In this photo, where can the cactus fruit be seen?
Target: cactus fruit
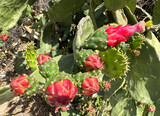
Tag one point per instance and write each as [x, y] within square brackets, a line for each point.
[115, 63]
[90, 86]
[121, 33]
[47, 66]
[31, 56]
[4, 37]
[80, 76]
[19, 84]
[24, 85]
[151, 109]
[43, 58]
[93, 63]
[97, 40]
[81, 58]
[60, 93]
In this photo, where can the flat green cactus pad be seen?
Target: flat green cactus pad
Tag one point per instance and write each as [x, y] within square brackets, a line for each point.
[115, 63]
[10, 12]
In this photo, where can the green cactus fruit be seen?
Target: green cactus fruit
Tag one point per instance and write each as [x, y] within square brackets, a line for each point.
[136, 41]
[31, 57]
[33, 87]
[81, 58]
[115, 63]
[97, 40]
[49, 69]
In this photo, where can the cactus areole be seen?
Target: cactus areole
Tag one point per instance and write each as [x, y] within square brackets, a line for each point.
[19, 84]
[60, 93]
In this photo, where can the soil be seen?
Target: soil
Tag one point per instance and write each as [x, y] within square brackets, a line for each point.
[12, 51]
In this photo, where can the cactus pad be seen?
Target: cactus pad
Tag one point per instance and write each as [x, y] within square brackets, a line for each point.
[115, 63]
[97, 40]
[31, 57]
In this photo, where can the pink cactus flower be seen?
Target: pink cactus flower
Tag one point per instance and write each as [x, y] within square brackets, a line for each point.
[93, 63]
[4, 37]
[90, 86]
[121, 33]
[60, 93]
[43, 58]
[19, 85]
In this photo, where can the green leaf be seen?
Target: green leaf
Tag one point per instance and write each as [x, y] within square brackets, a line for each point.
[62, 9]
[113, 5]
[156, 13]
[10, 12]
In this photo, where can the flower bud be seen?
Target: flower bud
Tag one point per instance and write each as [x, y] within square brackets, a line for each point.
[19, 84]
[90, 86]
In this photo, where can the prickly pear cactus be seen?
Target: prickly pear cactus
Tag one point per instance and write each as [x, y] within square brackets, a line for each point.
[97, 40]
[81, 58]
[49, 69]
[115, 63]
[31, 56]
[57, 77]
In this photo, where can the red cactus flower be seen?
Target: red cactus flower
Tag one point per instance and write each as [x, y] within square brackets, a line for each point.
[60, 93]
[151, 109]
[93, 62]
[19, 84]
[121, 33]
[90, 86]
[4, 37]
[107, 85]
[43, 58]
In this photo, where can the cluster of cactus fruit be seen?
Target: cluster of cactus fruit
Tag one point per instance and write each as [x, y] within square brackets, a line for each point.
[107, 51]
